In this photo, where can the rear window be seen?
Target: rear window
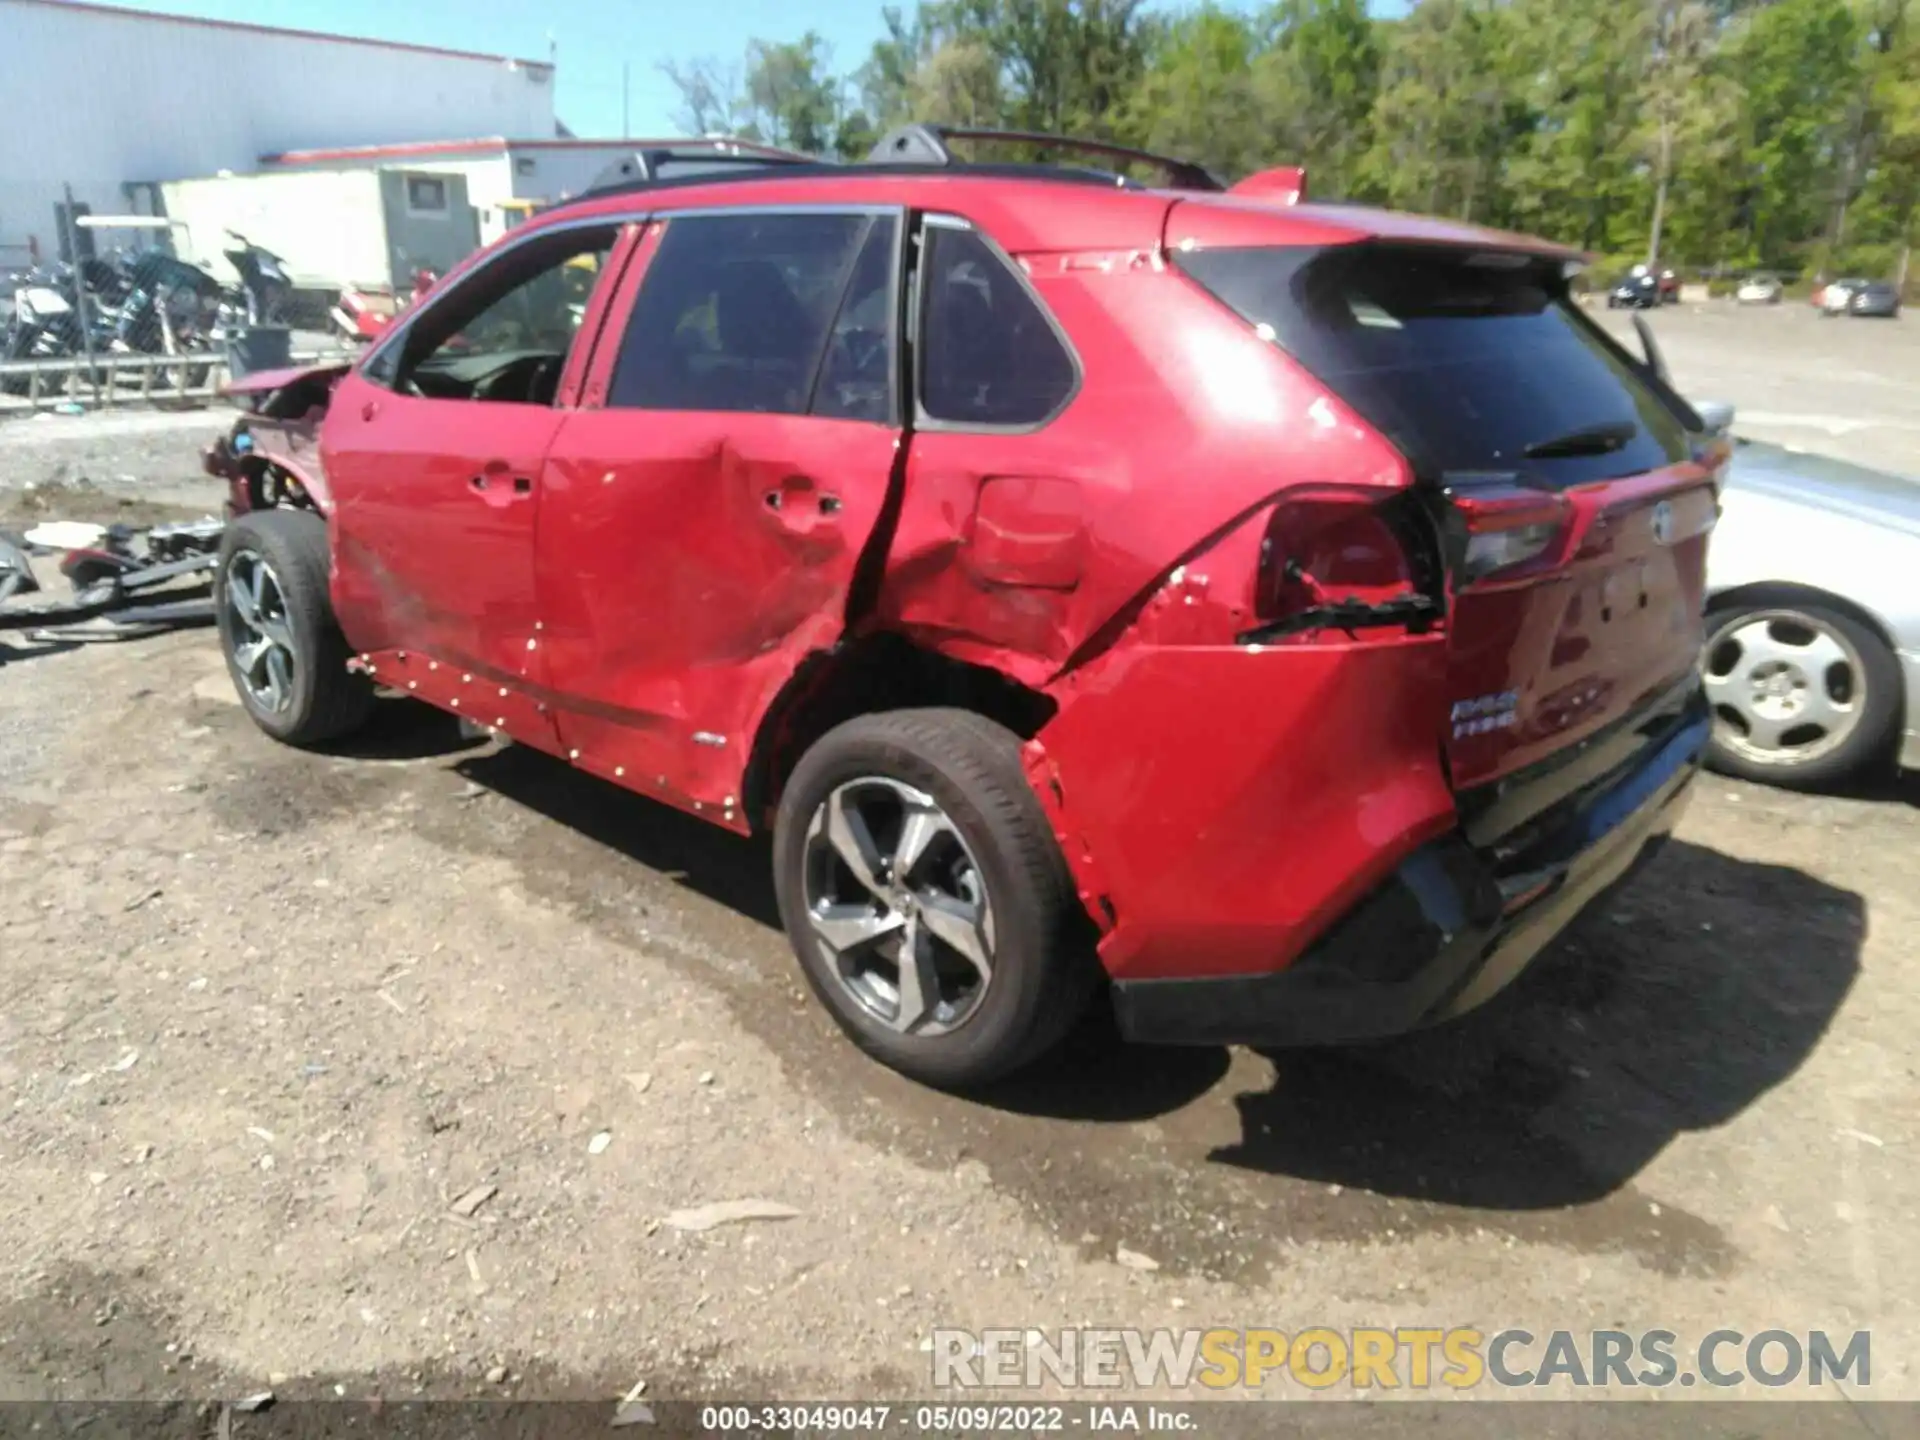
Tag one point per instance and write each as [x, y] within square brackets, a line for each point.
[1464, 360]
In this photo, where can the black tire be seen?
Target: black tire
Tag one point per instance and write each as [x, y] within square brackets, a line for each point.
[1043, 968]
[1870, 743]
[327, 700]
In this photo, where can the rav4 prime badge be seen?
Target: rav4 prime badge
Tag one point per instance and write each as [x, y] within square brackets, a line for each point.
[1481, 713]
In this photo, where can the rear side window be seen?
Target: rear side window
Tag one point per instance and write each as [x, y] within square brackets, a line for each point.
[736, 311]
[989, 356]
[1466, 361]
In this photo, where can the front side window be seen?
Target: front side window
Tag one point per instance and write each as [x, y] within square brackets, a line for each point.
[739, 313]
[503, 333]
[988, 354]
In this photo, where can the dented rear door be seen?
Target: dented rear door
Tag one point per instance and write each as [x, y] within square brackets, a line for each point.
[704, 510]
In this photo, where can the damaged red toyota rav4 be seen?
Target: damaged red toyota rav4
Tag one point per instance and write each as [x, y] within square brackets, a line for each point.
[1275, 619]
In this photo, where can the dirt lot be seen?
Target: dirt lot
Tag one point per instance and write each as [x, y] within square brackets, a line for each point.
[268, 1015]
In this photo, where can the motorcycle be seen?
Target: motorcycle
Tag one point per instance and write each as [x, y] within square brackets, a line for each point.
[171, 308]
[46, 322]
[265, 286]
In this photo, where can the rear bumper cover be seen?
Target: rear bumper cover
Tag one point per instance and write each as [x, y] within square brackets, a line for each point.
[1454, 922]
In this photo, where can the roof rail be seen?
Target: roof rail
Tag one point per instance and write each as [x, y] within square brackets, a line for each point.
[927, 145]
[651, 160]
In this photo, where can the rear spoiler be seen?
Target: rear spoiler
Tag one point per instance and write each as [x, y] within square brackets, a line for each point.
[1283, 184]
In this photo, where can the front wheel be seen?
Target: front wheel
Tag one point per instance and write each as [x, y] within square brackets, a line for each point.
[926, 898]
[1803, 695]
[283, 648]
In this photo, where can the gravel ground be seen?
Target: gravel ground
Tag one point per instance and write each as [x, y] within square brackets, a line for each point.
[272, 1020]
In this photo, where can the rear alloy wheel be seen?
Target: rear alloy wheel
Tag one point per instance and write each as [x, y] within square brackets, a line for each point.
[926, 898]
[1802, 695]
[910, 925]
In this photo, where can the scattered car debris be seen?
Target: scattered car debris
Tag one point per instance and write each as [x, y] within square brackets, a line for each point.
[252, 1403]
[598, 1144]
[641, 1081]
[469, 1204]
[1134, 1260]
[124, 583]
[729, 1212]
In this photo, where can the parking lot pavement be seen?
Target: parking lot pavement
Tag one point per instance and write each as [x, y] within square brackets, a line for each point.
[271, 1021]
[1837, 385]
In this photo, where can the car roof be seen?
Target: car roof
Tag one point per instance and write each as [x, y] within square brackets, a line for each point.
[1034, 209]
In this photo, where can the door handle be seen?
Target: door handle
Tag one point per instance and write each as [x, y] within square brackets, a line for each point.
[790, 495]
[497, 485]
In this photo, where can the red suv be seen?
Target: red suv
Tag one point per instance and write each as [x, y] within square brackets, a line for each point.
[1279, 616]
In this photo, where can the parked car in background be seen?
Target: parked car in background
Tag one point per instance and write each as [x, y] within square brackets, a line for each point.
[1834, 297]
[810, 520]
[1639, 289]
[1669, 287]
[1761, 289]
[1879, 298]
[1812, 660]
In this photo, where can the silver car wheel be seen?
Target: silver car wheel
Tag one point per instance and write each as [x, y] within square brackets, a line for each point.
[899, 906]
[263, 646]
[1785, 688]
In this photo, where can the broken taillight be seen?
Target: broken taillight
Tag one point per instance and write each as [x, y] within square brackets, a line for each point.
[1505, 532]
[1340, 558]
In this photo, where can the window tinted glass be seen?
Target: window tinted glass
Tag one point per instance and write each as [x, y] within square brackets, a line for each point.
[735, 311]
[856, 378]
[989, 357]
[1463, 365]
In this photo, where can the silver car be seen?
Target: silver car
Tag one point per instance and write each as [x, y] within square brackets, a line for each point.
[1813, 618]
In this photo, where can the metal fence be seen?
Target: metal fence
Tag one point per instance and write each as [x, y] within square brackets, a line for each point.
[119, 319]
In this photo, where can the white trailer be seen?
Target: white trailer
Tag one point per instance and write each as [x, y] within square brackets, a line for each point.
[332, 229]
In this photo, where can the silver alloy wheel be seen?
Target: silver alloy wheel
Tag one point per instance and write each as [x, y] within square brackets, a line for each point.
[263, 648]
[1785, 688]
[899, 906]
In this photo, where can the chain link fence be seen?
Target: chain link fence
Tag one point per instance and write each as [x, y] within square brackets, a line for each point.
[117, 317]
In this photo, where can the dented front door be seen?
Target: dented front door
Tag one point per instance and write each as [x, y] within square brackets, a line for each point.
[689, 559]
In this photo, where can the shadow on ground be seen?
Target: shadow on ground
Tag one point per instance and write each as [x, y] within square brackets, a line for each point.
[1698, 989]
[1671, 1007]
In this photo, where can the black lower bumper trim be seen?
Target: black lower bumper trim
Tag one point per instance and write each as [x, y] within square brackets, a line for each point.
[1447, 931]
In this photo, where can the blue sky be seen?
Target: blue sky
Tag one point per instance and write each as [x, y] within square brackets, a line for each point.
[593, 38]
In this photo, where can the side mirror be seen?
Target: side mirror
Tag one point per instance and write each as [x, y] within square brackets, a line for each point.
[1716, 416]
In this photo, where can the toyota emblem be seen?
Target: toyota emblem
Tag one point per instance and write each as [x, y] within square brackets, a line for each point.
[1663, 523]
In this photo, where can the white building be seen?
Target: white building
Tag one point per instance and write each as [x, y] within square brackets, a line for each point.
[109, 101]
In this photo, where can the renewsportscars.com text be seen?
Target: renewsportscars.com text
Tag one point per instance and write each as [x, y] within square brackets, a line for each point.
[1461, 1358]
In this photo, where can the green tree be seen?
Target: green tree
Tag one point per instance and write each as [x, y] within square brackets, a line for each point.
[1316, 80]
[1445, 111]
[794, 95]
[1795, 65]
[1197, 97]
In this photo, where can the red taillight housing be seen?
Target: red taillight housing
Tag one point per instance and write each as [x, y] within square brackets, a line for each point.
[1328, 545]
[1324, 562]
[1506, 533]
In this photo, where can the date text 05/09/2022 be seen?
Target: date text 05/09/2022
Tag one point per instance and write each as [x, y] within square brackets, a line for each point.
[942, 1419]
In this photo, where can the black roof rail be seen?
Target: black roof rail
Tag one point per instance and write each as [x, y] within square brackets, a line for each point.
[711, 155]
[928, 145]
